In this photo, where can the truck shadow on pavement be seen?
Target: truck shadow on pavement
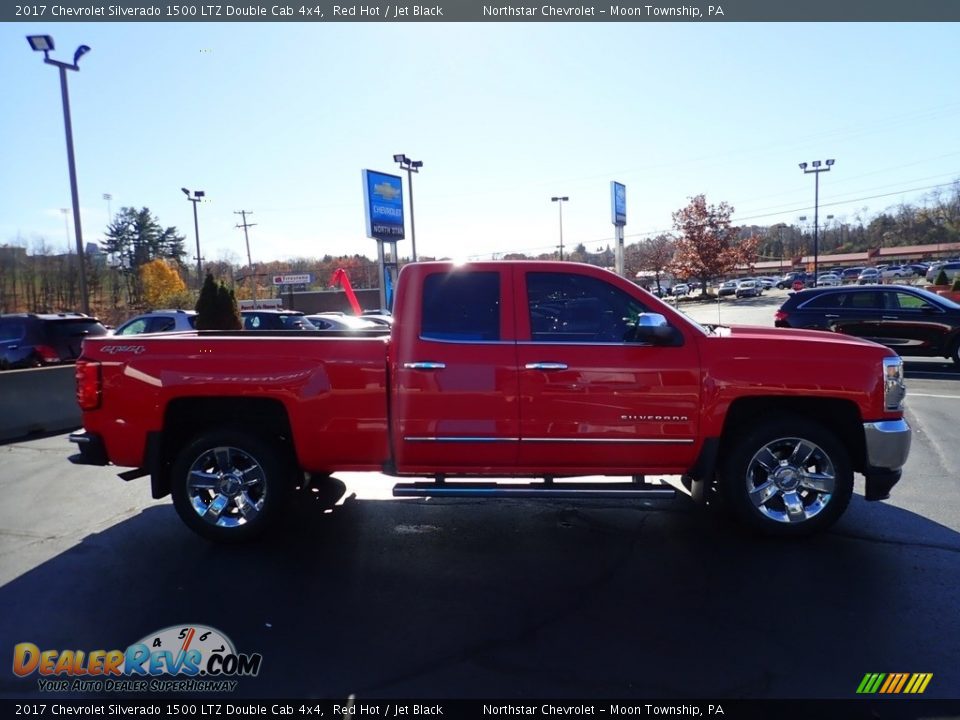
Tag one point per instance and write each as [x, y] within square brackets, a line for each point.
[516, 599]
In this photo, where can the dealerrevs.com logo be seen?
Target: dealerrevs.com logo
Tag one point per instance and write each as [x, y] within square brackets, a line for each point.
[180, 658]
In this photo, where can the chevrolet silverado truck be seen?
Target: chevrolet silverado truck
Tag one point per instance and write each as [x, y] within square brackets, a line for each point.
[539, 371]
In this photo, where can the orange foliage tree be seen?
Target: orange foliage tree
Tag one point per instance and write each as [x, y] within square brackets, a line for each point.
[708, 246]
[162, 284]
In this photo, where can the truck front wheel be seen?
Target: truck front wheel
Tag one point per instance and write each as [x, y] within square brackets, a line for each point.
[788, 477]
[229, 485]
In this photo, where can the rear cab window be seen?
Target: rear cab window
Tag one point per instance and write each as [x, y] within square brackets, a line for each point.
[461, 307]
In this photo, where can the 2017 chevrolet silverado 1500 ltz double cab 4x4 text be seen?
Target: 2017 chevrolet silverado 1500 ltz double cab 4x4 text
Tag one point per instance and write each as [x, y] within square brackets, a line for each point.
[541, 370]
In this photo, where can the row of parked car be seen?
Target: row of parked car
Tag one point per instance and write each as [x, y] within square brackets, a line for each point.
[38, 339]
[746, 287]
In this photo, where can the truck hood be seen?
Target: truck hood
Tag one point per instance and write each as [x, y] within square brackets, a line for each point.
[789, 335]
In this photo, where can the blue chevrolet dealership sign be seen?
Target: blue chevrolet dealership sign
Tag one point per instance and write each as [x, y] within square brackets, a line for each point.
[618, 203]
[383, 202]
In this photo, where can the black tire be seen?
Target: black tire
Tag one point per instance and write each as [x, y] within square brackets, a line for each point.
[788, 477]
[230, 485]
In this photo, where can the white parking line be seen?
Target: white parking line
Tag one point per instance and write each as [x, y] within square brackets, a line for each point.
[949, 397]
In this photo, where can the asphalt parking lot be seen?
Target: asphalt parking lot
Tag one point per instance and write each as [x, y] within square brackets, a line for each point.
[379, 598]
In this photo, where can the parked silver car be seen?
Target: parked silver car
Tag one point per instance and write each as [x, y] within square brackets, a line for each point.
[339, 321]
[868, 276]
[159, 321]
[952, 269]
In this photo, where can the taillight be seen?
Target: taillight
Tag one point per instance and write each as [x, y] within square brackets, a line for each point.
[88, 384]
[47, 353]
[780, 316]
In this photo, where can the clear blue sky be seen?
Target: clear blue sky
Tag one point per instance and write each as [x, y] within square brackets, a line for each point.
[280, 119]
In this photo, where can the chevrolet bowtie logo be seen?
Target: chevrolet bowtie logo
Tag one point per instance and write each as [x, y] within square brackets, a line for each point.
[386, 191]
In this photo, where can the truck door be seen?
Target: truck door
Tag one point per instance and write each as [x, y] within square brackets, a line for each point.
[593, 400]
[454, 394]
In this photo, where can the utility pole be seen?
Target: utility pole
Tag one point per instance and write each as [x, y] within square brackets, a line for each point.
[253, 278]
[560, 201]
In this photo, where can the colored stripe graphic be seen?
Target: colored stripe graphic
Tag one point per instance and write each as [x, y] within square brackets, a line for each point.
[918, 683]
[870, 683]
[894, 683]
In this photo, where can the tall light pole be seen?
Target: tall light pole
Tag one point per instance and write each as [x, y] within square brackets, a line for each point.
[197, 196]
[816, 169]
[560, 201]
[108, 197]
[411, 166]
[44, 44]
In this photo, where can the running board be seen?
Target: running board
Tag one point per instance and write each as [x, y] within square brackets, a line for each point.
[534, 490]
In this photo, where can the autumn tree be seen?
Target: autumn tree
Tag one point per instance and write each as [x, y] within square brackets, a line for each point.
[708, 245]
[656, 256]
[162, 285]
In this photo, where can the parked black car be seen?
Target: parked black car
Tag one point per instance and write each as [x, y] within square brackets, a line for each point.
[787, 281]
[34, 340]
[907, 319]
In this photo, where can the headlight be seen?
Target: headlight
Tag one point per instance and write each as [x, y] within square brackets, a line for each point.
[894, 390]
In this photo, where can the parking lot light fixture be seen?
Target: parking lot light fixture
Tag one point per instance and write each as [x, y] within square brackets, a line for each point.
[44, 44]
[816, 169]
[197, 197]
[411, 166]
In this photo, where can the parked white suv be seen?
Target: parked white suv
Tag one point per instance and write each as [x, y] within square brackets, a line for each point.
[159, 321]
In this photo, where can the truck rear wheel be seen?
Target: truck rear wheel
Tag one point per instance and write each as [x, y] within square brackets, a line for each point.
[229, 485]
[788, 477]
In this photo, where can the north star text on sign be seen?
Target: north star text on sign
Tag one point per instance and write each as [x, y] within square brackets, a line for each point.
[543, 10]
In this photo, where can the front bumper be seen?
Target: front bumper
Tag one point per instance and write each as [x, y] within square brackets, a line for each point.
[888, 445]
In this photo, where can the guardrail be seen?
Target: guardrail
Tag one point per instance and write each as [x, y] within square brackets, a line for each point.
[40, 400]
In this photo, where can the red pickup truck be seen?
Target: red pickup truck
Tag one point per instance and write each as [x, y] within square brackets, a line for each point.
[538, 370]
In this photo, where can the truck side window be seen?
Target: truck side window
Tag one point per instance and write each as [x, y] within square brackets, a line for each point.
[576, 308]
[461, 306]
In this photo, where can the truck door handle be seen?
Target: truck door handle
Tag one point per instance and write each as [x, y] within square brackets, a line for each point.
[889, 317]
[832, 317]
[424, 365]
[545, 366]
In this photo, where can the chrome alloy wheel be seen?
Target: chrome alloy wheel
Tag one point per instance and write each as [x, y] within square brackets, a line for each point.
[791, 480]
[226, 487]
